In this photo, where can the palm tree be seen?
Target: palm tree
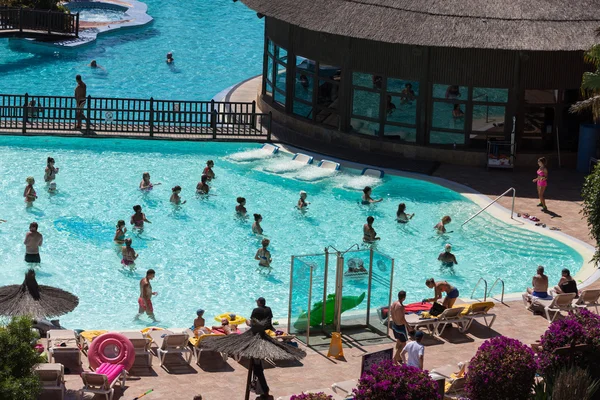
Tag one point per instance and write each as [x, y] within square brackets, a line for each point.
[590, 84]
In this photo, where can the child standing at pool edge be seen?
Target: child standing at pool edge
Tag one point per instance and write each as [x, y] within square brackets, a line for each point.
[542, 182]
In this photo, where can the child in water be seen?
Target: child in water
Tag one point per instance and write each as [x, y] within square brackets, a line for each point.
[138, 219]
[366, 197]
[202, 187]
[440, 227]
[50, 172]
[302, 203]
[256, 228]
[29, 192]
[175, 198]
[145, 184]
[129, 255]
[401, 215]
[369, 234]
[263, 255]
[120, 232]
[240, 208]
[208, 170]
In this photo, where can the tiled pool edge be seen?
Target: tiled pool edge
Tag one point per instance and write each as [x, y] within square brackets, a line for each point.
[588, 273]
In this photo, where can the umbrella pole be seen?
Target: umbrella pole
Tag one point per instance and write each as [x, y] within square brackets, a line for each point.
[250, 369]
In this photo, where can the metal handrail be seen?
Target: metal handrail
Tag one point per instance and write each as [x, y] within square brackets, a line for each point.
[492, 288]
[512, 211]
[477, 285]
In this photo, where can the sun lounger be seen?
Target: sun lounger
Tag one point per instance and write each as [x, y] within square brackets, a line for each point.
[416, 322]
[376, 173]
[561, 302]
[86, 337]
[455, 377]
[329, 165]
[587, 299]
[451, 316]
[168, 342]
[103, 380]
[196, 341]
[302, 158]
[270, 148]
[478, 310]
[52, 378]
[62, 341]
[344, 388]
[141, 344]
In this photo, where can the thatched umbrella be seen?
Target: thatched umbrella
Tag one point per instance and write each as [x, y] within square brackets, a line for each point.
[253, 344]
[37, 301]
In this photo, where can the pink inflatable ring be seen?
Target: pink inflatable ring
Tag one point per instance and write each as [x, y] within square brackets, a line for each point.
[112, 348]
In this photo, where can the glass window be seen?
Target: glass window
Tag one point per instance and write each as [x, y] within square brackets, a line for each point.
[409, 89]
[400, 132]
[282, 54]
[366, 103]
[488, 95]
[538, 122]
[280, 97]
[328, 93]
[399, 109]
[302, 109]
[280, 78]
[365, 127]
[488, 118]
[305, 65]
[269, 69]
[270, 47]
[541, 96]
[438, 137]
[269, 89]
[304, 86]
[367, 80]
[329, 117]
[450, 92]
[448, 115]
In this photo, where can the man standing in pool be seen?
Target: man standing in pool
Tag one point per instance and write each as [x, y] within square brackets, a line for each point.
[33, 241]
[80, 99]
[146, 293]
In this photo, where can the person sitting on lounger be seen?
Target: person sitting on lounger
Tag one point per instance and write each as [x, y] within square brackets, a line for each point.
[199, 328]
[566, 284]
[446, 257]
[443, 286]
[225, 327]
[540, 284]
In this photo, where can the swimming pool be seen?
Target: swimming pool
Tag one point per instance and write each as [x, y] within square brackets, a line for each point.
[203, 255]
[215, 44]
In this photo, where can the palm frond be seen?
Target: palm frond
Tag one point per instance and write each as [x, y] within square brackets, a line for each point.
[584, 105]
[591, 81]
[593, 55]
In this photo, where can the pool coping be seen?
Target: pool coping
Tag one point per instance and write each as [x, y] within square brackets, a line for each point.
[587, 274]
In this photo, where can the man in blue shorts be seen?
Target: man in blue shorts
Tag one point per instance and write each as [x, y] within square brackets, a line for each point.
[399, 325]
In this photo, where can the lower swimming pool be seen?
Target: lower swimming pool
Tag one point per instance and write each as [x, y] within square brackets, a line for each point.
[204, 256]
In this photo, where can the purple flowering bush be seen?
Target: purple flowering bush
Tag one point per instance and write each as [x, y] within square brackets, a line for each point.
[388, 381]
[311, 396]
[502, 369]
[581, 328]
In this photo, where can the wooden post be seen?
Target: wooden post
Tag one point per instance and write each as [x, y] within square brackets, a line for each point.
[269, 127]
[253, 117]
[77, 25]
[151, 118]
[213, 119]
[249, 380]
[89, 114]
[21, 19]
[25, 105]
[49, 22]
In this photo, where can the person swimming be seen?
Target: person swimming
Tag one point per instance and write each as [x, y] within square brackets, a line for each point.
[366, 197]
[208, 170]
[175, 198]
[94, 64]
[50, 171]
[145, 184]
[256, 228]
[441, 226]
[446, 257]
[401, 216]
[302, 203]
[202, 187]
[263, 255]
[240, 208]
[120, 232]
[369, 234]
[138, 219]
[129, 254]
[29, 192]
[170, 59]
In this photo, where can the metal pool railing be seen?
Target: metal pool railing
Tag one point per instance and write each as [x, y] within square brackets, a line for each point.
[195, 120]
[18, 20]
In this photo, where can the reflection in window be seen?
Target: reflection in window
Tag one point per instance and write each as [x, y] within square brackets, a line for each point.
[367, 80]
[280, 78]
[488, 118]
[398, 109]
[365, 127]
[271, 47]
[282, 54]
[400, 132]
[302, 109]
[450, 92]
[366, 103]
[328, 93]
[539, 122]
[304, 87]
[488, 95]
[448, 115]
[269, 89]
[270, 69]
[541, 96]
[438, 137]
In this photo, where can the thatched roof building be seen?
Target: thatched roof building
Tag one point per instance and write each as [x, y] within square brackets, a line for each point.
[418, 77]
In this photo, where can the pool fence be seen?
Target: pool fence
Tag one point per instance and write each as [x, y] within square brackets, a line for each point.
[27, 22]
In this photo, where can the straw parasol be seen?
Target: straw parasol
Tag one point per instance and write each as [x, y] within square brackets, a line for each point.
[37, 301]
[254, 344]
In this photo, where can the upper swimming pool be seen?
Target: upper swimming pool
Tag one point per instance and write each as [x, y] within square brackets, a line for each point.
[215, 44]
[204, 256]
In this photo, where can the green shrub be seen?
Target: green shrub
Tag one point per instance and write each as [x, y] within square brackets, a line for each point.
[591, 206]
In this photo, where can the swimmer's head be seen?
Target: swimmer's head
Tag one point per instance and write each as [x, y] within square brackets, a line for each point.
[265, 242]
[241, 200]
[303, 194]
[210, 163]
[367, 190]
[448, 248]
[93, 64]
[50, 160]
[128, 242]
[430, 283]
[137, 208]
[33, 227]
[146, 176]
[401, 207]
[370, 220]
[200, 312]
[446, 219]
[120, 223]
[257, 217]
[176, 189]
[30, 180]
[169, 56]
[78, 78]
[540, 270]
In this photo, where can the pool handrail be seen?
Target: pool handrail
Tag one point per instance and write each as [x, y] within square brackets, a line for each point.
[485, 291]
[374, 172]
[327, 164]
[303, 158]
[512, 211]
[492, 288]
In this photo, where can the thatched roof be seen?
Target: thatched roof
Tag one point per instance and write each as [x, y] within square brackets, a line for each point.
[509, 24]
[253, 344]
[37, 301]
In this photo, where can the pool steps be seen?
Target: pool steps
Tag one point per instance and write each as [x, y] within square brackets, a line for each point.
[303, 158]
[326, 164]
[270, 148]
[376, 173]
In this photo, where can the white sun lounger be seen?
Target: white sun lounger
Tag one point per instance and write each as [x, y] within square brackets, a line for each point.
[141, 344]
[344, 388]
[168, 342]
[587, 299]
[62, 341]
[452, 316]
[560, 302]
[376, 173]
[303, 158]
[52, 378]
[270, 148]
[326, 164]
[416, 322]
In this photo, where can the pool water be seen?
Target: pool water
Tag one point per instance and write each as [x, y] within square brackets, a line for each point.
[204, 255]
[215, 44]
[99, 14]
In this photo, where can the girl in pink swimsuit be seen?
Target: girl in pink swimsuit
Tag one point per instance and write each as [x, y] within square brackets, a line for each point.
[542, 182]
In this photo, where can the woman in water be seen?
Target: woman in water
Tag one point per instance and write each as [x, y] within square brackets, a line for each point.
[175, 198]
[366, 197]
[369, 234]
[542, 182]
[120, 232]
[441, 226]
[50, 172]
[29, 192]
[256, 228]
[129, 255]
[208, 170]
[138, 219]
[240, 208]
[401, 215]
[145, 184]
[202, 187]
[302, 203]
[263, 255]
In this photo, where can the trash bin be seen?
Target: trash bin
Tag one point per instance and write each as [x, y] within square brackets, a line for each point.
[588, 142]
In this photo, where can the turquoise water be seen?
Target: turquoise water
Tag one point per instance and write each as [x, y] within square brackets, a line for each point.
[215, 44]
[98, 14]
[204, 256]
